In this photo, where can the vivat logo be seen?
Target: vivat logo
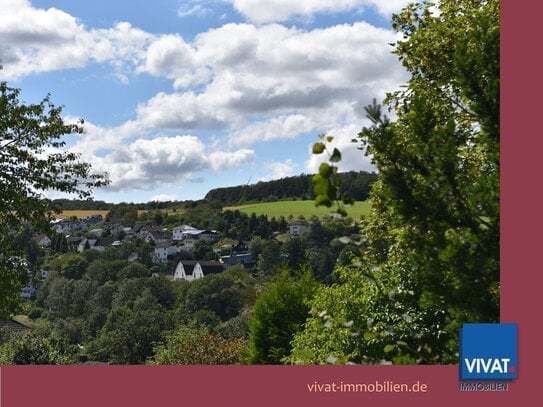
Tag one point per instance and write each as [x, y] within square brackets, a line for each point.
[488, 352]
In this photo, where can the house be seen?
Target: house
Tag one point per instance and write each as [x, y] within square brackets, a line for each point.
[116, 228]
[209, 236]
[298, 227]
[157, 236]
[162, 251]
[28, 292]
[91, 220]
[241, 247]
[13, 326]
[246, 259]
[98, 232]
[74, 242]
[177, 233]
[42, 240]
[44, 274]
[86, 244]
[193, 269]
[103, 242]
[143, 230]
[66, 226]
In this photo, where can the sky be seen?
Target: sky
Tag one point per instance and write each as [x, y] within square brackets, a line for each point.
[180, 97]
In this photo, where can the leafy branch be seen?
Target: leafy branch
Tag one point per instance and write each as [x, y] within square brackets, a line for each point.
[326, 183]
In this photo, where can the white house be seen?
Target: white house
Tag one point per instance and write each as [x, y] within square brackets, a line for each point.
[177, 233]
[191, 270]
[162, 251]
[297, 227]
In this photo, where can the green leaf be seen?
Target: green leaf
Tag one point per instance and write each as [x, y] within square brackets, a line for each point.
[325, 170]
[389, 348]
[323, 200]
[318, 148]
[336, 156]
[329, 139]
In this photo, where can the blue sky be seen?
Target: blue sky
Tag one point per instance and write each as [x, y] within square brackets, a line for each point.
[180, 97]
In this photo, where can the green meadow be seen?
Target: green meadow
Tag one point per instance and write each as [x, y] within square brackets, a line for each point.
[297, 208]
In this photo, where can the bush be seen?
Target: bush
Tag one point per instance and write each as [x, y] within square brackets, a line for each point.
[277, 315]
[189, 345]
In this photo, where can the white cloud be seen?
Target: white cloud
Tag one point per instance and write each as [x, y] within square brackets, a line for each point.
[146, 164]
[313, 120]
[38, 40]
[352, 159]
[171, 57]
[192, 9]
[181, 111]
[277, 170]
[163, 198]
[266, 11]
[274, 71]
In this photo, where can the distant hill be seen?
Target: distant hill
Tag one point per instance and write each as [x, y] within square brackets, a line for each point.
[357, 184]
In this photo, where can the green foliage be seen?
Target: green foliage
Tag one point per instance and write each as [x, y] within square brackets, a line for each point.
[430, 260]
[189, 345]
[128, 336]
[203, 250]
[69, 265]
[26, 131]
[278, 314]
[34, 348]
[269, 258]
[327, 183]
[225, 294]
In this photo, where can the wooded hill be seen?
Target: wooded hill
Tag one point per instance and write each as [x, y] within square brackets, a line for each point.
[357, 184]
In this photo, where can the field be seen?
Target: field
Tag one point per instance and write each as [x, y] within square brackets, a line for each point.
[165, 211]
[81, 214]
[297, 208]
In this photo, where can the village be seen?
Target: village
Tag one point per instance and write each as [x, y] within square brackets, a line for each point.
[170, 247]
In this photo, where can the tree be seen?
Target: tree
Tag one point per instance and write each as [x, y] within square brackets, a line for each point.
[27, 170]
[278, 314]
[224, 293]
[432, 256]
[127, 336]
[269, 259]
[189, 345]
[202, 250]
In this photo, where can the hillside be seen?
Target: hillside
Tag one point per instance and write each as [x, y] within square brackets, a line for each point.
[298, 208]
[357, 184]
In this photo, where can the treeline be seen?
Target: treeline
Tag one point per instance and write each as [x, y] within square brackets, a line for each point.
[92, 205]
[357, 184]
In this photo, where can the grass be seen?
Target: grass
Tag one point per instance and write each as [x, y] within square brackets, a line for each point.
[165, 211]
[297, 208]
[81, 214]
